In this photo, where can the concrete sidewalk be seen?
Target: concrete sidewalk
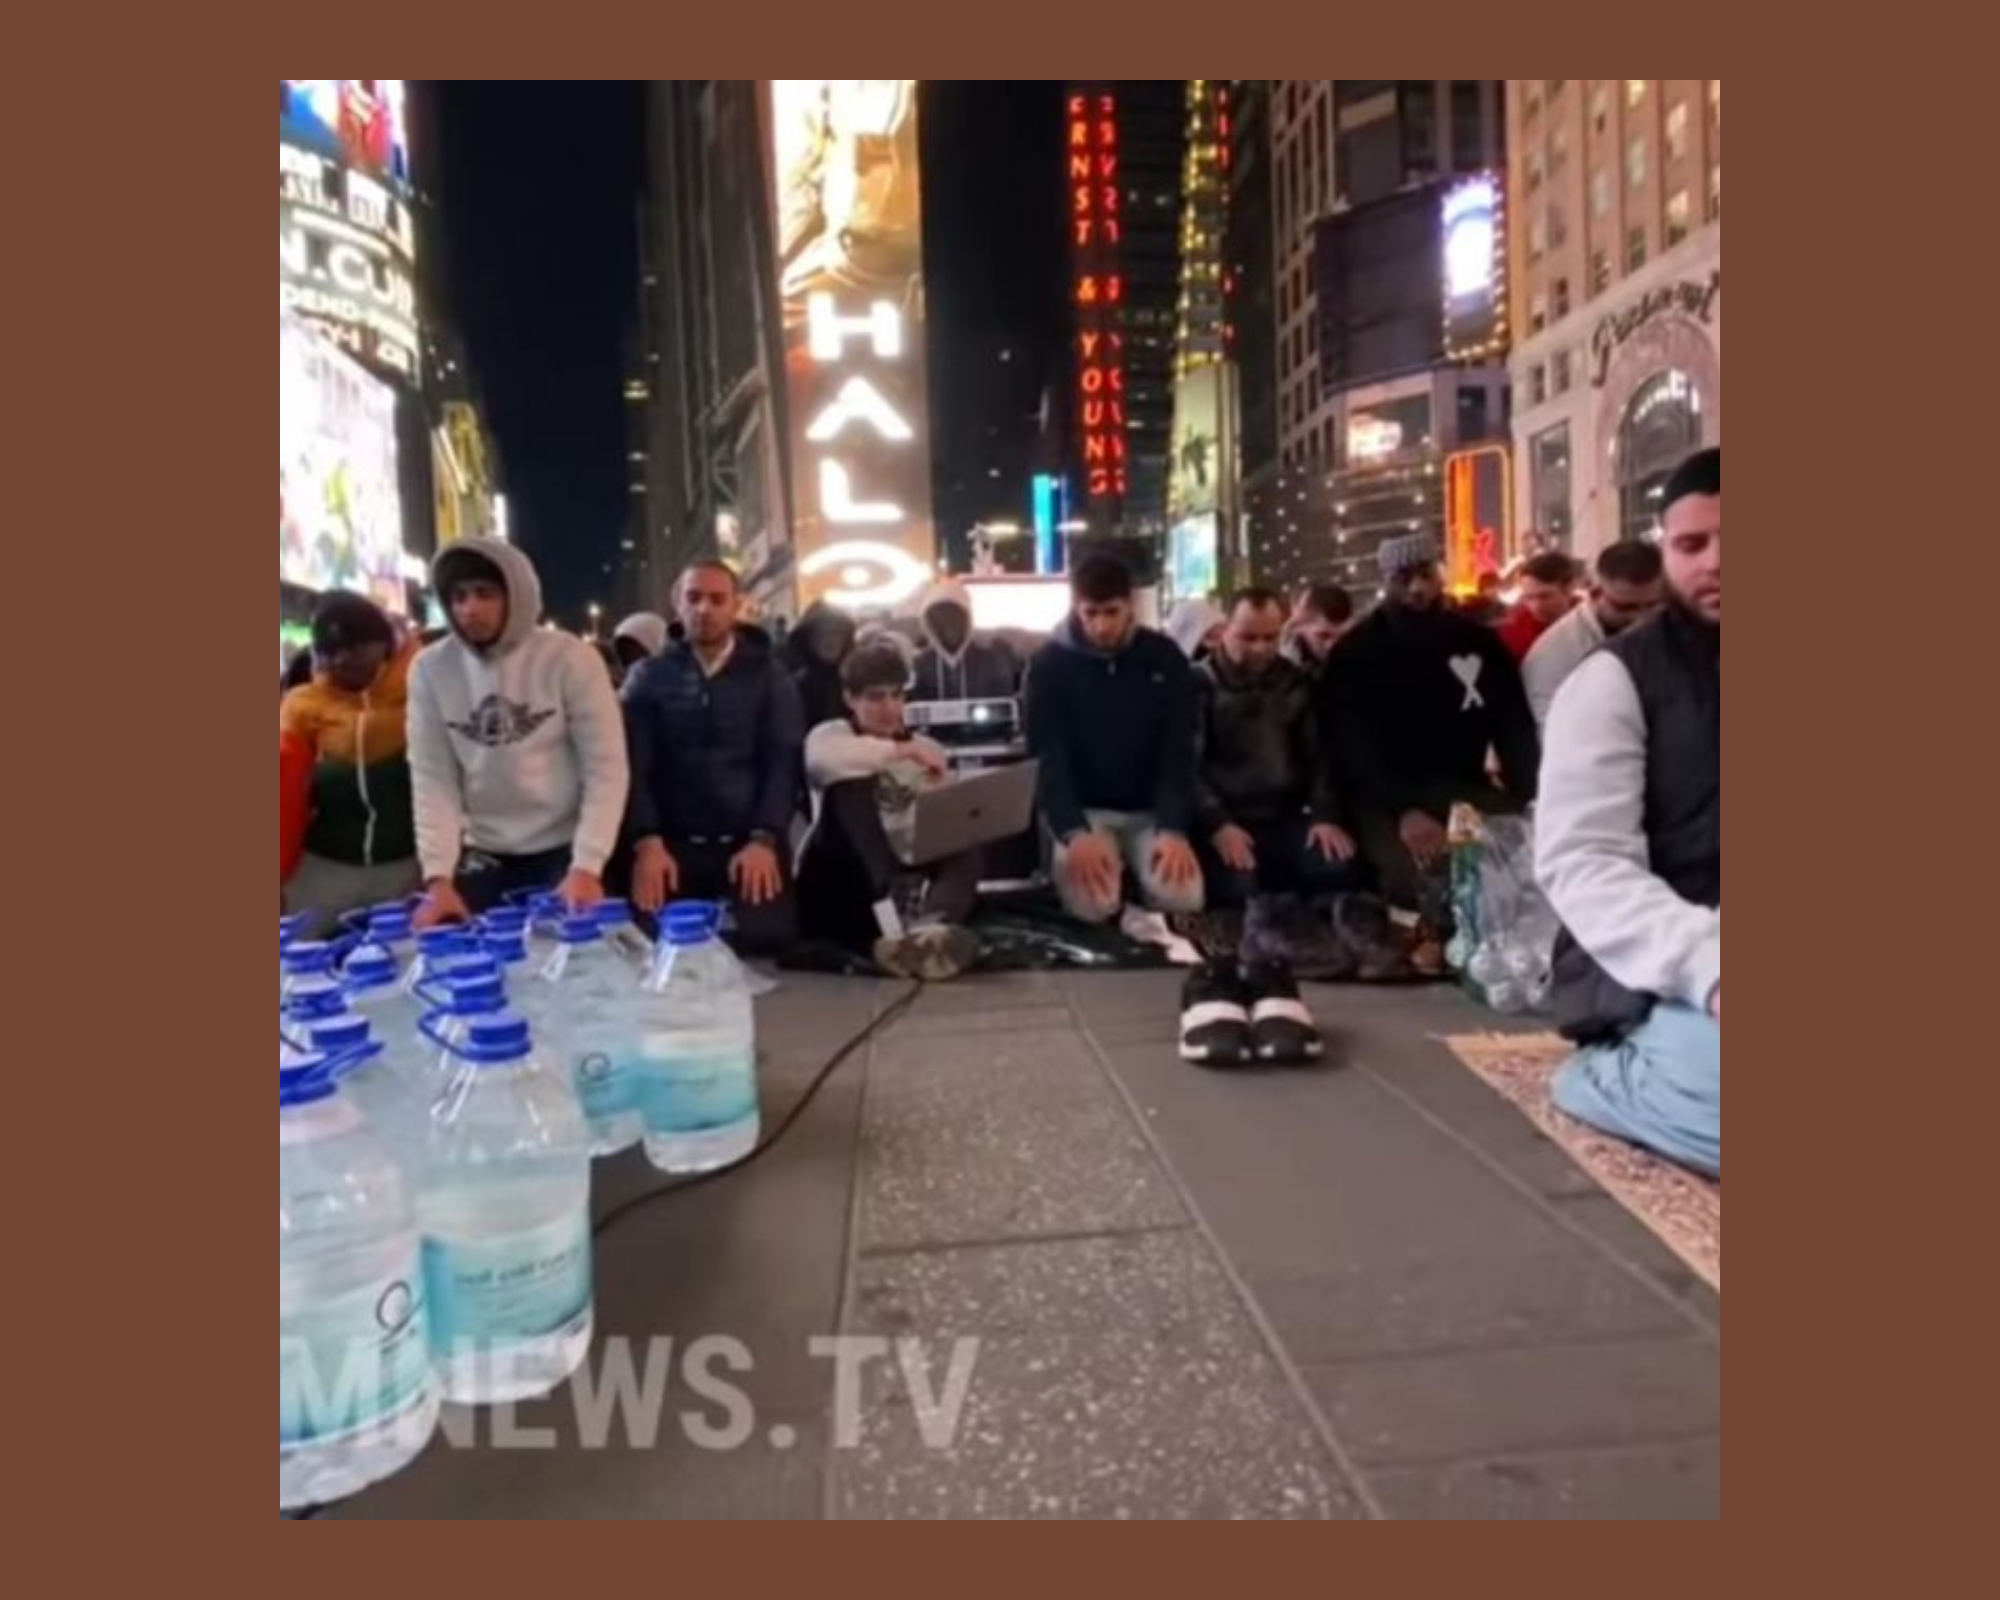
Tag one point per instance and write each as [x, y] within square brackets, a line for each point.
[1369, 1289]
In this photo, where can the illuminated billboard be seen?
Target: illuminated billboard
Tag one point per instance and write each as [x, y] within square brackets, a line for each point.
[1194, 558]
[359, 122]
[1097, 292]
[340, 514]
[847, 186]
[346, 259]
[1479, 516]
[1475, 270]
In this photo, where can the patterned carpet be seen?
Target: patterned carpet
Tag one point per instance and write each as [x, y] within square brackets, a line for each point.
[1684, 1210]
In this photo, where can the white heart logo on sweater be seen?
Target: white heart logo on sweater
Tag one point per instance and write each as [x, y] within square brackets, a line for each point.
[1467, 670]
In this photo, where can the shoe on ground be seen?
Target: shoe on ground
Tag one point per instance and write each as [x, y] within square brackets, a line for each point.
[1215, 1017]
[1281, 1025]
[1369, 935]
[929, 955]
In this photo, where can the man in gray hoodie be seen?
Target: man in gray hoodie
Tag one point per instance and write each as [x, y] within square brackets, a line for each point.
[517, 745]
[957, 663]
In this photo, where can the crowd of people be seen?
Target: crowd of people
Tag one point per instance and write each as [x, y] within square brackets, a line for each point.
[1269, 747]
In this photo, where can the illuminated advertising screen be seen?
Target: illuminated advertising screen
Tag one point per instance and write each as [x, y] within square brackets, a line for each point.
[1479, 516]
[850, 254]
[346, 259]
[359, 122]
[1474, 270]
[340, 514]
[1194, 564]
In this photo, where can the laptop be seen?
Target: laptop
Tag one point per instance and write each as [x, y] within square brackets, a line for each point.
[981, 808]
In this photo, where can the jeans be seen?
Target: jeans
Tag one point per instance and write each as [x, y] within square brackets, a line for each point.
[850, 867]
[486, 881]
[771, 929]
[329, 889]
[1660, 1087]
[1287, 863]
[1135, 834]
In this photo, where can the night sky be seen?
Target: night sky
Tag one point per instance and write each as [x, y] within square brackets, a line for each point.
[538, 183]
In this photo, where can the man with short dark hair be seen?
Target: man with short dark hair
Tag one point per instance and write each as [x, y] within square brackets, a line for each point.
[857, 885]
[957, 662]
[716, 730]
[1269, 816]
[1548, 591]
[1629, 849]
[1629, 588]
[1323, 616]
[1111, 719]
[516, 744]
[1414, 700]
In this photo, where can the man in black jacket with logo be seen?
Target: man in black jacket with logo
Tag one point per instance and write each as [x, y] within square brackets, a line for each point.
[716, 730]
[1414, 699]
[1269, 815]
[1111, 719]
[1629, 849]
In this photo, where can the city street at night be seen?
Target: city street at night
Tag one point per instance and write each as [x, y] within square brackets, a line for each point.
[1000, 800]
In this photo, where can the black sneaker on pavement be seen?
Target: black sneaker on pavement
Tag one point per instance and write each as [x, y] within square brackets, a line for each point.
[1215, 1017]
[1281, 1026]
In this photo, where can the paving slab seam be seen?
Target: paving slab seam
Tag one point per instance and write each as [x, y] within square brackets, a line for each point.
[1633, 1445]
[849, 1266]
[1503, 1346]
[1015, 1241]
[1344, 1461]
[1550, 1209]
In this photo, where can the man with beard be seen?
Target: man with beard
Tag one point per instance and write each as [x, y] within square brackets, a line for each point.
[1629, 850]
[1414, 700]
[1629, 588]
[958, 663]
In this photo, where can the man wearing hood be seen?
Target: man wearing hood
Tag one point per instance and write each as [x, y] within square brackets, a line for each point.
[1111, 708]
[813, 654]
[637, 640]
[957, 663]
[516, 744]
[359, 846]
[1414, 700]
[1196, 626]
[717, 734]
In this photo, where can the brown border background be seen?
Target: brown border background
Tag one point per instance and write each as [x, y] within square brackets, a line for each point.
[133, 406]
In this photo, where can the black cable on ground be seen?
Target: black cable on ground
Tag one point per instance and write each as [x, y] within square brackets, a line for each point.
[887, 1015]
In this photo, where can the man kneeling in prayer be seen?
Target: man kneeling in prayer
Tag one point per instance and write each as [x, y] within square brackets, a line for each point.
[1629, 844]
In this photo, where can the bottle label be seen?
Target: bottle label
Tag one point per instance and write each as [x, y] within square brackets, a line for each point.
[692, 1093]
[354, 1362]
[605, 1084]
[509, 1290]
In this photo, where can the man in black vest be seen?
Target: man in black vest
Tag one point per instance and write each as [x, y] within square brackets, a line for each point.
[1630, 852]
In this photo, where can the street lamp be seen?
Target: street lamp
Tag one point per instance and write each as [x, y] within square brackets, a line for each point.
[596, 618]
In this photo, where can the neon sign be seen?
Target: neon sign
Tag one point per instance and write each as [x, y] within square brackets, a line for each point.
[1097, 232]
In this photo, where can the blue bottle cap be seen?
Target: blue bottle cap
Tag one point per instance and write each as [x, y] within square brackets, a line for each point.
[314, 998]
[501, 918]
[499, 1039]
[434, 942]
[508, 946]
[476, 994]
[304, 958]
[692, 922]
[340, 1033]
[613, 913]
[304, 1077]
[369, 968]
[390, 924]
[581, 930]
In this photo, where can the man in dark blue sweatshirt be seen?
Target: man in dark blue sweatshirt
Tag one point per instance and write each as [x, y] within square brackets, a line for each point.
[1111, 715]
[716, 730]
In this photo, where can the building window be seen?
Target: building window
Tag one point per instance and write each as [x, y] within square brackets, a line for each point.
[1534, 96]
[1635, 91]
[1537, 170]
[1600, 271]
[1538, 238]
[1662, 428]
[1677, 131]
[1600, 108]
[1562, 372]
[1556, 86]
[1559, 148]
[1549, 464]
[1538, 384]
[1635, 249]
[1468, 127]
[1715, 192]
[1680, 217]
[1600, 194]
[1558, 230]
[1538, 313]
[1635, 161]
[1715, 101]
[1562, 298]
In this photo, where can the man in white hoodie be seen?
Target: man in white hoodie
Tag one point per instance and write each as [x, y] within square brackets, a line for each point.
[517, 745]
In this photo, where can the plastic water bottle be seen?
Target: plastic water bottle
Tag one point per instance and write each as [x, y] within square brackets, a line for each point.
[356, 1398]
[590, 1002]
[386, 927]
[505, 1210]
[391, 1088]
[437, 949]
[697, 1049]
[288, 930]
[458, 1002]
[508, 946]
[622, 933]
[374, 989]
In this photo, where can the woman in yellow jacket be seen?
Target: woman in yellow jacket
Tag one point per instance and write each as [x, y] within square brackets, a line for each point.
[360, 843]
